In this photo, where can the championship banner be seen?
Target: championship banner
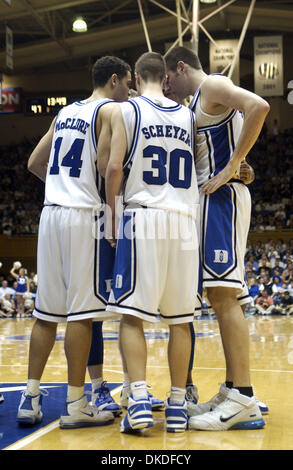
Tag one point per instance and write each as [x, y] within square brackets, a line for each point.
[9, 48]
[268, 66]
[222, 55]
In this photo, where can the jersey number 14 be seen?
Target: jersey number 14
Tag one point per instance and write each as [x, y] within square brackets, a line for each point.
[72, 159]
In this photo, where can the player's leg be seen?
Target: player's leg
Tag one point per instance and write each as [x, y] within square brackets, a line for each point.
[20, 304]
[191, 389]
[157, 403]
[102, 398]
[133, 345]
[49, 310]
[77, 411]
[238, 409]
[83, 304]
[77, 346]
[234, 332]
[41, 343]
[177, 306]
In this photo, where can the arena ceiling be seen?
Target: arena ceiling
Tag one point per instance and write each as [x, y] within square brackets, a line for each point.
[43, 36]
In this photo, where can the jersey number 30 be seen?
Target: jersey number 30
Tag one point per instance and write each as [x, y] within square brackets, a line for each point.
[180, 167]
[72, 159]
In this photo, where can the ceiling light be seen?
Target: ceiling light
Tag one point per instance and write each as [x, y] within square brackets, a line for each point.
[79, 25]
[208, 1]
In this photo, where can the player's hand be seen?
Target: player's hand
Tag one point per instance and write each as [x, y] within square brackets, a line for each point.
[219, 180]
[246, 173]
[110, 232]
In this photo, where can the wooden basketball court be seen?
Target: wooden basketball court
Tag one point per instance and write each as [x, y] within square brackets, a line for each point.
[271, 371]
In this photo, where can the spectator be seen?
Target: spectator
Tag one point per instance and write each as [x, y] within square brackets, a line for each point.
[5, 289]
[264, 303]
[264, 262]
[277, 289]
[254, 291]
[7, 306]
[266, 285]
[29, 304]
[287, 303]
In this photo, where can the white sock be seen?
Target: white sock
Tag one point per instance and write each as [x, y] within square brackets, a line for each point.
[74, 393]
[126, 381]
[96, 383]
[139, 389]
[33, 387]
[177, 395]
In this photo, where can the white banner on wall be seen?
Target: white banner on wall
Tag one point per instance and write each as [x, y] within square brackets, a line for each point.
[268, 66]
[223, 54]
[9, 48]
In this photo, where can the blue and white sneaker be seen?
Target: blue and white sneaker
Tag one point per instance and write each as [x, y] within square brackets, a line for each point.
[1, 398]
[139, 415]
[156, 403]
[191, 397]
[80, 414]
[264, 409]
[103, 400]
[176, 416]
[29, 410]
[237, 411]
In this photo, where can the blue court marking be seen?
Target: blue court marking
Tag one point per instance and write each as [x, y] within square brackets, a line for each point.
[52, 407]
[112, 336]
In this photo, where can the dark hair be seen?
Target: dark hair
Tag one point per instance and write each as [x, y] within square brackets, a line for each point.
[151, 66]
[105, 67]
[182, 53]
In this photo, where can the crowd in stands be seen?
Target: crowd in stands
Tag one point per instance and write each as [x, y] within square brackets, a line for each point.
[272, 190]
[21, 192]
[269, 271]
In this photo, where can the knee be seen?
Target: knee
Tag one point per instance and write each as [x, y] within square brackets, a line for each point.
[222, 298]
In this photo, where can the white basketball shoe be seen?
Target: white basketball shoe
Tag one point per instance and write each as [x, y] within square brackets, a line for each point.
[237, 411]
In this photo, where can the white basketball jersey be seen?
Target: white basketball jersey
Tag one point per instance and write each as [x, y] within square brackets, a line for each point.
[160, 168]
[216, 138]
[72, 179]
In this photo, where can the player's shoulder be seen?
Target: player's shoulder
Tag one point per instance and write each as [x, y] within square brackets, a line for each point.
[107, 109]
[214, 81]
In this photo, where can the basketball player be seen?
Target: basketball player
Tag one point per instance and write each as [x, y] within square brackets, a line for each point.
[151, 157]
[21, 289]
[229, 120]
[73, 259]
[101, 393]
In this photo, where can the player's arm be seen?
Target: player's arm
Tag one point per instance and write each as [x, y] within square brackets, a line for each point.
[194, 140]
[114, 172]
[13, 274]
[104, 133]
[38, 160]
[221, 91]
[27, 284]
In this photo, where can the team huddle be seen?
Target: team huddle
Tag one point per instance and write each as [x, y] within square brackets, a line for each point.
[146, 205]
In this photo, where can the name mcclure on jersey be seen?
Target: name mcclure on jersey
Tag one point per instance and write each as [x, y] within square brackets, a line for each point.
[72, 123]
